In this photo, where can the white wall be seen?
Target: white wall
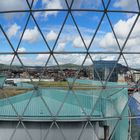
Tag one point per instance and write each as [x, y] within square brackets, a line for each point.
[38, 131]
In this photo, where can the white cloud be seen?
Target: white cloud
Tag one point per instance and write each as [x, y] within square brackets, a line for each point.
[27, 60]
[108, 42]
[85, 3]
[126, 4]
[6, 5]
[42, 57]
[31, 35]
[12, 31]
[60, 4]
[60, 47]
[12, 5]
[79, 58]
[70, 58]
[61, 58]
[50, 4]
[77, 42]
[9, 5]
[22, 49]
[37, 14]
[122, 28]
[51, 36]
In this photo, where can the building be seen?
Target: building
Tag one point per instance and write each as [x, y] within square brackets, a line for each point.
[103, 69]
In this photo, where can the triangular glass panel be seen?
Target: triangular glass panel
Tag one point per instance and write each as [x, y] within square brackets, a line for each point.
[70, 40]
[19, 98]
[32, 39]
[90, 71]
[134, 112]
[98, 105]
[71, 64]
[119, 100]
[7, 107]
[133, 43]
[19, 69]
[131, 58]
[87, 30]
[134, 65]
[35, 134]
[90, 4]
[51, 4]
[125, 75]
[19, 76]
[87, 87]
[126, 5]
[106, 3]
[33, 60]
[9, 130]
[111, 127]
[72, 127]
[122, 25]
[117, 126]
[37, 107]
[34, 64]
[91, 131]
[32, 2]
[36, 4]
[7, 110]
[54, 96]
[13, 6]
[15, 86]
[104, 40]
[54, 132]
[4, 45]
[14, 26]
[5, 61]
[109, 108]
[51, 25]
[87, 97]
[134, 129]
[105, 66]
[123, 128]
[20, 131]
[71, 108]
[52, 76]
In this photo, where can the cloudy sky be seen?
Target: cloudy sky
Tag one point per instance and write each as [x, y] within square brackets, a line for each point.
[69, 40]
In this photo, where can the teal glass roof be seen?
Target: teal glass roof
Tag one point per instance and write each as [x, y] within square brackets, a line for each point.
[47, 103]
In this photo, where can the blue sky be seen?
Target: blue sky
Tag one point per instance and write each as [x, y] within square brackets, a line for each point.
[69, 40]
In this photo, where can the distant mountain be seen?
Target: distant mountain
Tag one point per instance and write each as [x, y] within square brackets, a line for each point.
[65, 66]
[98, 64]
